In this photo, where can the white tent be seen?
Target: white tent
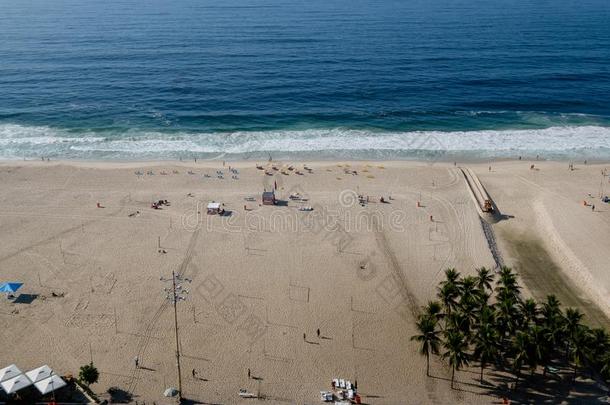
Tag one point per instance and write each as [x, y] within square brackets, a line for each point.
[213, 208]
[9, 372]
[14, 384]
[50, 384]
[39, 373]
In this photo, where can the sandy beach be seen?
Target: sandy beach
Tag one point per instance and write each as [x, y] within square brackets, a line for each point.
[263, 280]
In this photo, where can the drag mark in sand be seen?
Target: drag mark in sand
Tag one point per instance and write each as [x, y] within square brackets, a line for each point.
[491, 243]
[54, 237]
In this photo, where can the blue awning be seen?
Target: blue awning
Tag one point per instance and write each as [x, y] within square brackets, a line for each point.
[10, 287]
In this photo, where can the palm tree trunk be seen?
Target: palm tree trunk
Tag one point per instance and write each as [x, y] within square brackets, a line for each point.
[574, 376]
[428, 365]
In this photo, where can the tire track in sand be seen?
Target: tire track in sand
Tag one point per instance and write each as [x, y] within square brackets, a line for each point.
[149, 328]
[384, 247]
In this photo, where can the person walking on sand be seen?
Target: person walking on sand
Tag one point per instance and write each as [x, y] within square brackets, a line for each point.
[136, 361]
[318, 332]
[249, 374]
[194, 373]
[593, 207]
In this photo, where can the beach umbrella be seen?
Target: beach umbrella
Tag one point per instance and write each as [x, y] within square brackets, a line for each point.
[39, 373]
[170, 392]
[50, 384]
[10, 287]
[14, 384]
[9, 372]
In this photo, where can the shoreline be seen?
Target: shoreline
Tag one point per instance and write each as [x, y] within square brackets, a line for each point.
[323, 162]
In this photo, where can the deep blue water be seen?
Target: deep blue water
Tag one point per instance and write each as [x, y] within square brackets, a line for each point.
[321, 78]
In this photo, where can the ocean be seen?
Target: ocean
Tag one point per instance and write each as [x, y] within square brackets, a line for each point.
[317, 79]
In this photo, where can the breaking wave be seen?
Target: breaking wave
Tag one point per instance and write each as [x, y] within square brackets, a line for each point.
[557, 142]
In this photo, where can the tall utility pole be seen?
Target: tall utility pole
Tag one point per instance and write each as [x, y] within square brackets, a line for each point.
[175, 294]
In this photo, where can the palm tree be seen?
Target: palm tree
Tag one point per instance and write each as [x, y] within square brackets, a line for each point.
[448, 294]
[470, 292]
[605, 365]
[580, 343]
[600, 345]
[451, 276]
[507, 276]
[88, 374]
[485, 342]
[428, 338]
[529, 311]
[571, 326]
[521, 348]
[434, 309]
[552, 321]
[461, 322]
[507, 286]
[456, 346]
[538, 347]
[484, 279]
[506, 316]
[551, 308]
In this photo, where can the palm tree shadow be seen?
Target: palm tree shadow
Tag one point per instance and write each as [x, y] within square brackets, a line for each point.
[455, 382]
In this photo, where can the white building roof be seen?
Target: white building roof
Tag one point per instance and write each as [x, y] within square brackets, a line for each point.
[9, 372]
[15, 384]
[39, 373]
[50, 384]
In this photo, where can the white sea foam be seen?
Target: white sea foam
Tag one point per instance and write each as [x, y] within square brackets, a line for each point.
[565, 141]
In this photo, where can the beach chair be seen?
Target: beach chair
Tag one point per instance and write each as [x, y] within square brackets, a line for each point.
[245, 394]
[326, 396]
[552, 370]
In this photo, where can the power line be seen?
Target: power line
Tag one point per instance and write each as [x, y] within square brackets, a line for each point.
[174, 294]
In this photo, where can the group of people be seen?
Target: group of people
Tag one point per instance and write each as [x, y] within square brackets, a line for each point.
[158, 204]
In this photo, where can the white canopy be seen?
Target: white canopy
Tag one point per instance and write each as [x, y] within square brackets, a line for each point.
[213, 206]
[39, 373]
[15, 384]
[9, 372]
[50, 384]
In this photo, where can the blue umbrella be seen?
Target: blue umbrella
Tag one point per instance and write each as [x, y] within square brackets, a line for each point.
[10, 287]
